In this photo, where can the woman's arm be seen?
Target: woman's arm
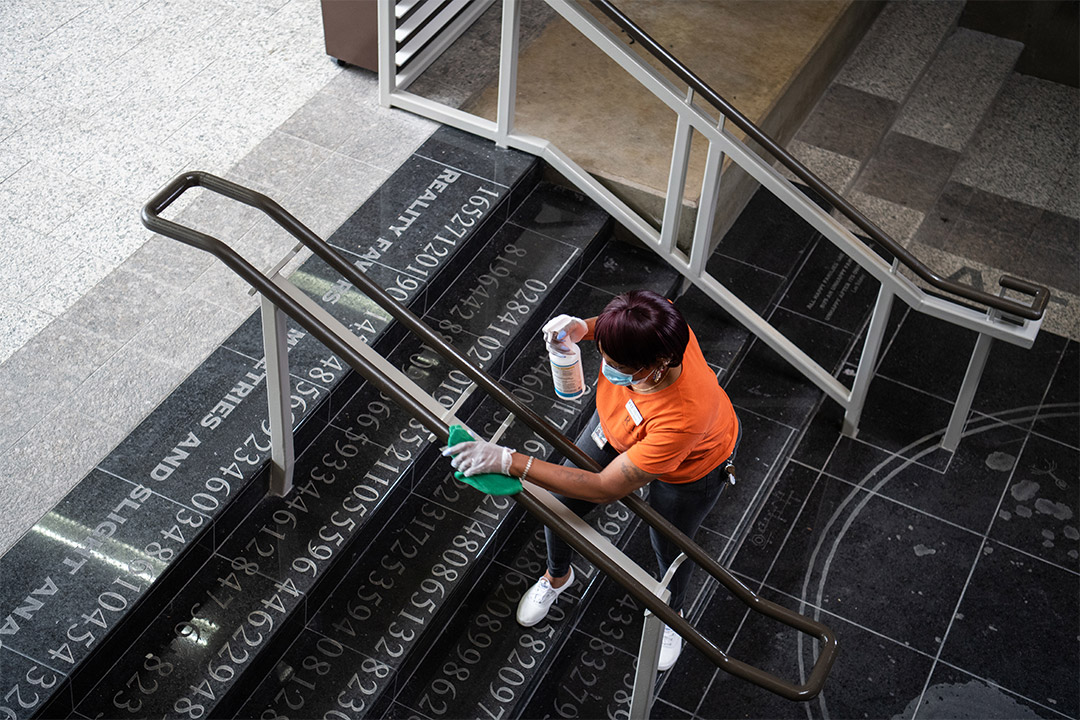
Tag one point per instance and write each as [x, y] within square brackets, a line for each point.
[620, 478]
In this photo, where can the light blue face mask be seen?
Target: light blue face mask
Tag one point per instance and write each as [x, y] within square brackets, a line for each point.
[618, 377]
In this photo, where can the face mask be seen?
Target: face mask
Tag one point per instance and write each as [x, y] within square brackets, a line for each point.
[619, 378]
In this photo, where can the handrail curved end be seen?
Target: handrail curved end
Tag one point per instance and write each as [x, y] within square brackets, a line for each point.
[172, 190]
[1040, 293]
[822, 667]
[169, 193]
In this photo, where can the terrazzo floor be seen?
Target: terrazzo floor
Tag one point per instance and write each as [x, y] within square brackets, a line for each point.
[101, 102]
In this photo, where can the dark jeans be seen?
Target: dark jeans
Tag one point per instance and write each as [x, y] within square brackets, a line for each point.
[685, 506]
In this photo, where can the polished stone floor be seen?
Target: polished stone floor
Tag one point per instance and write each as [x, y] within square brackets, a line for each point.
[951, 581]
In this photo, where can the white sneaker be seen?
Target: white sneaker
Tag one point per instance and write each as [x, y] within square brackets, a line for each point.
[669, 649]
[538, 599]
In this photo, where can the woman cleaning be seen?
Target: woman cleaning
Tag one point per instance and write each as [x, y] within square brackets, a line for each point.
[664, 421]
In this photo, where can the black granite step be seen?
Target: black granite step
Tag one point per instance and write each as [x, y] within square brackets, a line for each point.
[268, 576]
[125, 542]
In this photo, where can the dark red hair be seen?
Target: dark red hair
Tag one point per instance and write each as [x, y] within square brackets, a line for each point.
[639, 328]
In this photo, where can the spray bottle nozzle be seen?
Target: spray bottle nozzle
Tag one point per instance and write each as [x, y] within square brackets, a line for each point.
[552, 338]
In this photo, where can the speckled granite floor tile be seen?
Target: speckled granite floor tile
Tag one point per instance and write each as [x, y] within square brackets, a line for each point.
[40, 198]
[1067, 200]
[1024, 144]
[953, 95]
[48, 368]
[21, 323]
[894, 52]
[897, 220]
[835, 170]
[853, 141]
[899, 185]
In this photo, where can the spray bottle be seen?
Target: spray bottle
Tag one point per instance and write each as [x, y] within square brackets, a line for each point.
[566, 370]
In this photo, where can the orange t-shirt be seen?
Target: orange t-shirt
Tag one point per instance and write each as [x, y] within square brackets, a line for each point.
[686, 429]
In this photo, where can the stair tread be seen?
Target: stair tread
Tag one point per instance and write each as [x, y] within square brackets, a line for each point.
[892, 54]
[958, 88]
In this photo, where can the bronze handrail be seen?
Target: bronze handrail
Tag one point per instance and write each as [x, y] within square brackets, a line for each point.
[151, 218]
[1040, 293]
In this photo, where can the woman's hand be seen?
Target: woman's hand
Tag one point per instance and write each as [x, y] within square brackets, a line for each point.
[562, 329]
[478, 457]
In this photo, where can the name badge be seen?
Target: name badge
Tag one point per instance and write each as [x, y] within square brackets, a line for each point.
[635, 414]
[598, 436]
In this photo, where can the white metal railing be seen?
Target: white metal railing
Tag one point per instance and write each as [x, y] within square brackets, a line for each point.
[990, 323]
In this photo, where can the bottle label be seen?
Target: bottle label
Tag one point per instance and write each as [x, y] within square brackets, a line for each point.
[569, 380]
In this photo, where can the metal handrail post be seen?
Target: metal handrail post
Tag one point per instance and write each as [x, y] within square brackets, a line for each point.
[508, 66]
[972, 377]
[706, 215]
[652, 635]
[386, 50]
[276, 351]
[875, 334]
[673, 199]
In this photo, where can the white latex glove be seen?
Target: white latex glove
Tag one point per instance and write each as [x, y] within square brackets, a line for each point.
[477, 457]
[563, 328]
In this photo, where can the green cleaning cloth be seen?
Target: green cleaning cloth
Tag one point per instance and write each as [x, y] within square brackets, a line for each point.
[490, 483]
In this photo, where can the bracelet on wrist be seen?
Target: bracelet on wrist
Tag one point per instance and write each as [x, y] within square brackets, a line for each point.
[528, 467]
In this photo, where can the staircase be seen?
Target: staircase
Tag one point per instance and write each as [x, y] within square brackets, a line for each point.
[169, 583]
[929, 127]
